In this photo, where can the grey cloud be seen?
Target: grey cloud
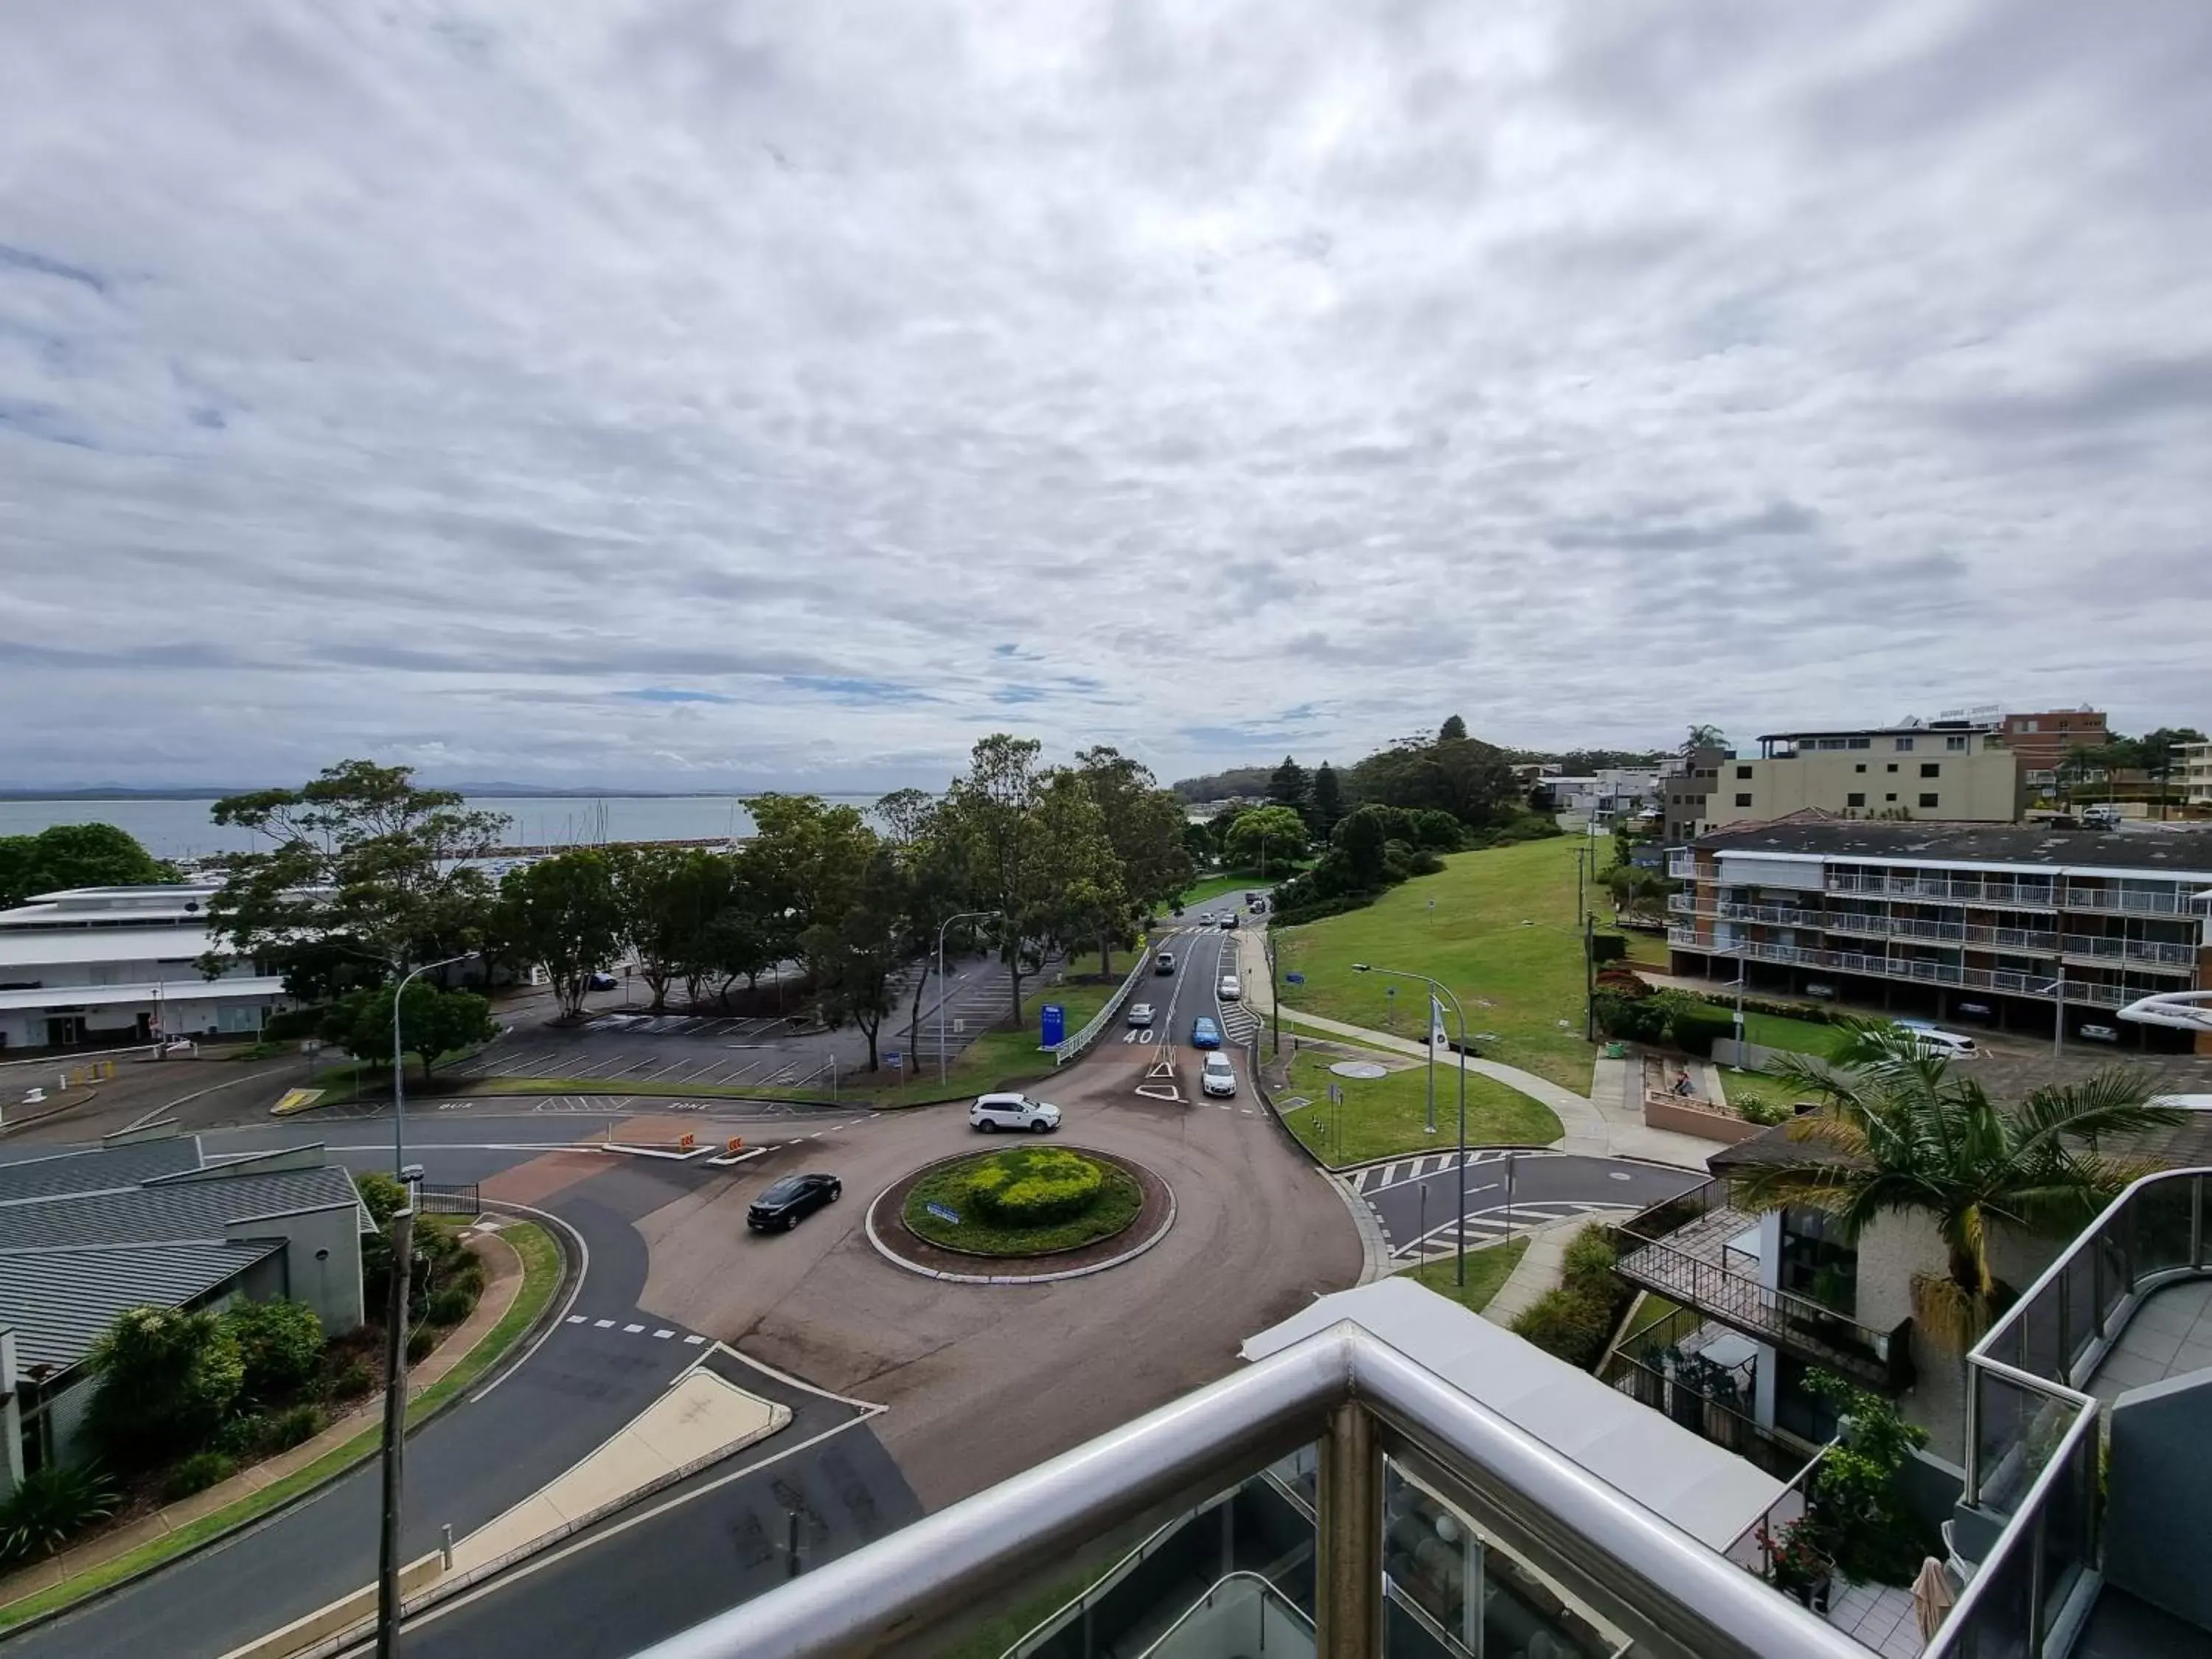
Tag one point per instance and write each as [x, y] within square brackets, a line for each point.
[2114, 395]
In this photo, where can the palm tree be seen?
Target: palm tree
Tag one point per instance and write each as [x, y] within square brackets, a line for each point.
[1704, 736]
[1898, 1131]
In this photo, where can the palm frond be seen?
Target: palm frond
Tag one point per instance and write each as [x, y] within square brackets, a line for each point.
[2116, 1101]
[1948, 1313]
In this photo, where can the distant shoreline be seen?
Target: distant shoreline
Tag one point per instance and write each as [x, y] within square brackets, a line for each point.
[80, 797]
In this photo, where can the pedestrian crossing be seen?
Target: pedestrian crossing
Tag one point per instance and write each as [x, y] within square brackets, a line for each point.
[1239, 1025]
[1378, 1176]
[1492, 1226]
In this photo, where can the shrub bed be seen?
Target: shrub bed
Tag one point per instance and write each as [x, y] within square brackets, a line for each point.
[1574, 1321]
[1026, 1200]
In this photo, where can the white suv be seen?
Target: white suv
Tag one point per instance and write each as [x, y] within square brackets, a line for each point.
[1218, 1076]
[1229, 990]
[992, 1113]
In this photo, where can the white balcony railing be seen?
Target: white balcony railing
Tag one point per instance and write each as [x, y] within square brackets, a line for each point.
[1682, 866]
[2171, 901]
[1944, 890]
[1686, 938]
[2180, 957]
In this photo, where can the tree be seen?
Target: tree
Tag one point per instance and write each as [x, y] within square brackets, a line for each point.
[1286, 785]
[1076, 895]
[563, 914]
[990, 810]
[279, 1343]
[63, 855]
[363, 859]
[432, 1022]
[939, 886]
[1265, 834]
[856, 955]
[1362, 838]
[1704, 736]
[1453, 730]
[1198, 841]
[806, 858]
[906, 814]
[1328, 806]
[741, 938]
[1144, 824]
[1897, 1132]
[165, 1380]
[2158, 754]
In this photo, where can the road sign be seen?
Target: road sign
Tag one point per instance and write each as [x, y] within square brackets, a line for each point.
[1056, 1024]
[1294, 979]
[942, 1211]
[896, 1060]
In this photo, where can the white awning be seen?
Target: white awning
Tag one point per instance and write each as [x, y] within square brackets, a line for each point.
[1711, 1494]
[108, 996]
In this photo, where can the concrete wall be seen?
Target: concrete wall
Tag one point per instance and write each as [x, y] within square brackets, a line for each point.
[1663, 1111]
[65, 1423]
[322, 1259]
[1981, 786]
[1892, 1249]
[2159, 1483]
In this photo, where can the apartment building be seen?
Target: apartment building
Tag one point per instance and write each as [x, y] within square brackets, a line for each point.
[96, 965]
[1683, 788]
[2193, 774]
[2044, 740]
[1955, 771]
[1995, 925]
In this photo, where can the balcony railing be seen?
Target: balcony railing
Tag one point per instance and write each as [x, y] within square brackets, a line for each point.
[1372, 1411]
[2172, 903]
[1948, 932]
[1681, 1251]
[2151, 953]
[1682, 866]
[1943, 890]
[1686, 904]
[1686, 939]
[2031, 1433]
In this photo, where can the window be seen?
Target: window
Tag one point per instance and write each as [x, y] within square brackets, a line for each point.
[2036, 725]
[1892, 767]
[1743, 799]
[1856, 797]
[1860, 743]
[1904, 744]
[1927, 799]
[1860, 767]
[1742, 772]
[1931, 768]
[1956, 744]
[1890, 796]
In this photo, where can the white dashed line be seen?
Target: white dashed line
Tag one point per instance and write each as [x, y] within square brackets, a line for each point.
[576, 1319]
[664, 1335]
[604, 1324]
[694, 1341]
[632, 1330]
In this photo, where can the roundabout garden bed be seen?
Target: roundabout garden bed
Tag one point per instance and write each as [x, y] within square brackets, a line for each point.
[1024, 1213]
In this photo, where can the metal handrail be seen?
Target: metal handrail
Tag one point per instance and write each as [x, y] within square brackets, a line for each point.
[1100, 1585]
[1241, 1575]
[907, 1592]
[1075, 1047]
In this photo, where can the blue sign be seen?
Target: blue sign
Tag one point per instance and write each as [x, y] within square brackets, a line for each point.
[1056, 1024]
[895, 1060]
[943, 1212]
[1294, 979]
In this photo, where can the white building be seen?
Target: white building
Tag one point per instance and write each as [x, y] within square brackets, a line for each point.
[111, 965]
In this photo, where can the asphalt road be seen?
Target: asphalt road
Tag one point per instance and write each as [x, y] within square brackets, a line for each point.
[1416, 1199]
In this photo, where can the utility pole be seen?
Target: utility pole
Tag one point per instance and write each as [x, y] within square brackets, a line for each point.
[395, 1430]
[1589, 985]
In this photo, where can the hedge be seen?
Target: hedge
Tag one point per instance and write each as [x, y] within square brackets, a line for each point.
[1574, 1321]
[1035, 1189]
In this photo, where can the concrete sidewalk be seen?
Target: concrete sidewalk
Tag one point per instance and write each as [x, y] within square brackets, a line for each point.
[1540, 1268]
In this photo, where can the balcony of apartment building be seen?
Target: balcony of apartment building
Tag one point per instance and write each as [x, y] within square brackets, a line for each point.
[1681, 864]
[1972, 891]
[2088, 1407]
[2128, 896]
[1699, 1251]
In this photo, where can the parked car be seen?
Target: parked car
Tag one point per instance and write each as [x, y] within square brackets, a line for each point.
[1218, 1076]
[1229, 990]
[602, 982]
[992, 1113]
[1140, 1013]
[1950, 1045]
[1205, 1034]
[1164, 962]
[791, 1201]
[2099, 1033]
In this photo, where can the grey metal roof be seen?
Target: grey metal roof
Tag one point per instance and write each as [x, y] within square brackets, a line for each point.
[171, 1211]
[58, 1302]
[2182, 853]
[97, 1170]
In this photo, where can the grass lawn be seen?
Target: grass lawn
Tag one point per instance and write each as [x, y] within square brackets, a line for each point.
[1487, 1270]
[1116, 1206]
[1386, 1115]
[1776, 1031]
[541, 1277]
[1230, 881]
[1517, 982]
[1755, 1085]
[996, 1060]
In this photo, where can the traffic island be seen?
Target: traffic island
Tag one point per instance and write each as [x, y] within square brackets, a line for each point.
[1025, 1215]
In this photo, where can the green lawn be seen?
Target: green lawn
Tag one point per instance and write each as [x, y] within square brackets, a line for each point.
[1232, 881]
[1518, 982]
[1776, 1031]
[996, 1060]
[541, 1270]
[1755, 1085]
[1386, 1115]
[1487, 1270]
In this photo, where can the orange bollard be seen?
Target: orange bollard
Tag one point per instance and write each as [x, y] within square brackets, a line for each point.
[735, 1144]
[685, 1144]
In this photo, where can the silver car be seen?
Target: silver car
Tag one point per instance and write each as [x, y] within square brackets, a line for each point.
[1140, 1013]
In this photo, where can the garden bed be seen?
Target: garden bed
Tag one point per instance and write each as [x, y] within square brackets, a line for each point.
[1133, 1204]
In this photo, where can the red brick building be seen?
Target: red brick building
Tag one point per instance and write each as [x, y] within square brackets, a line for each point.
[2042, 741]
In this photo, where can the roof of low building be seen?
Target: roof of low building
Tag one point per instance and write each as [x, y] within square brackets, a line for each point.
[172, 1212]
[60, 1302]
[2185, 851]
[2183, 1146]
[106, 1170]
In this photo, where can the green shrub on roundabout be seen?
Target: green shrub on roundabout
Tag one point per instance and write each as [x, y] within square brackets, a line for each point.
[1033, 1186]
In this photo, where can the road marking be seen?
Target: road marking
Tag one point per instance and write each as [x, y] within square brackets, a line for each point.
[693, 1340]
[576, 1319]
[632, 1330]
[604, 1324]
[663, 1335]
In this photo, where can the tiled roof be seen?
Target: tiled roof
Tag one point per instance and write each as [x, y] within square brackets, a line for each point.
[2184, 852]
[109, 1167]
[58, 1302]
[170, 1212]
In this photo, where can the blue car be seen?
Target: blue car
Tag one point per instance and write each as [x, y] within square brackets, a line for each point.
[1205, 1034]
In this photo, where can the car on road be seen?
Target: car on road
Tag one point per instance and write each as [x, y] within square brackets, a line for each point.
[1229, 990]
[1140, 1013]
[791, 1201]
[602, 982]
[992, 1113]
[1205, 1034]
[1227, 923]
[1218, 1076]
[1164, 962]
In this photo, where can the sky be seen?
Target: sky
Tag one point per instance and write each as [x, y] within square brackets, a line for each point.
[710, 394]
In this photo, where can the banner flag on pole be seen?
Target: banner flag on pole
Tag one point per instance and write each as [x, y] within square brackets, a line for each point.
[1437, 1037]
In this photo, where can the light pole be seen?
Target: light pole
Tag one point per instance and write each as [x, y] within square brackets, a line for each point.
[964, 915]
[395, 1359]
[1436, 987]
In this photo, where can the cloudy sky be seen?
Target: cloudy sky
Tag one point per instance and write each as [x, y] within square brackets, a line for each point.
[705, 391]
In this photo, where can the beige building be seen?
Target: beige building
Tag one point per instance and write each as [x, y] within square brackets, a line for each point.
[1956, 771]
[2193, 771]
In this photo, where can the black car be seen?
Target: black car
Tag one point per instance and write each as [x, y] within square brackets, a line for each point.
[790, 1200]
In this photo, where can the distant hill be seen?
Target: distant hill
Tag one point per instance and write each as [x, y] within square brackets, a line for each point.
[1218, 786]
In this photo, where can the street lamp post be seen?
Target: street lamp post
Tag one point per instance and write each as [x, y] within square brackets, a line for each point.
[964, 915]
[1436, 987]
[395, 1362]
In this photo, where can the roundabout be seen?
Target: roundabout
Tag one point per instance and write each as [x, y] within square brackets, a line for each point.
[1024, 1216]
